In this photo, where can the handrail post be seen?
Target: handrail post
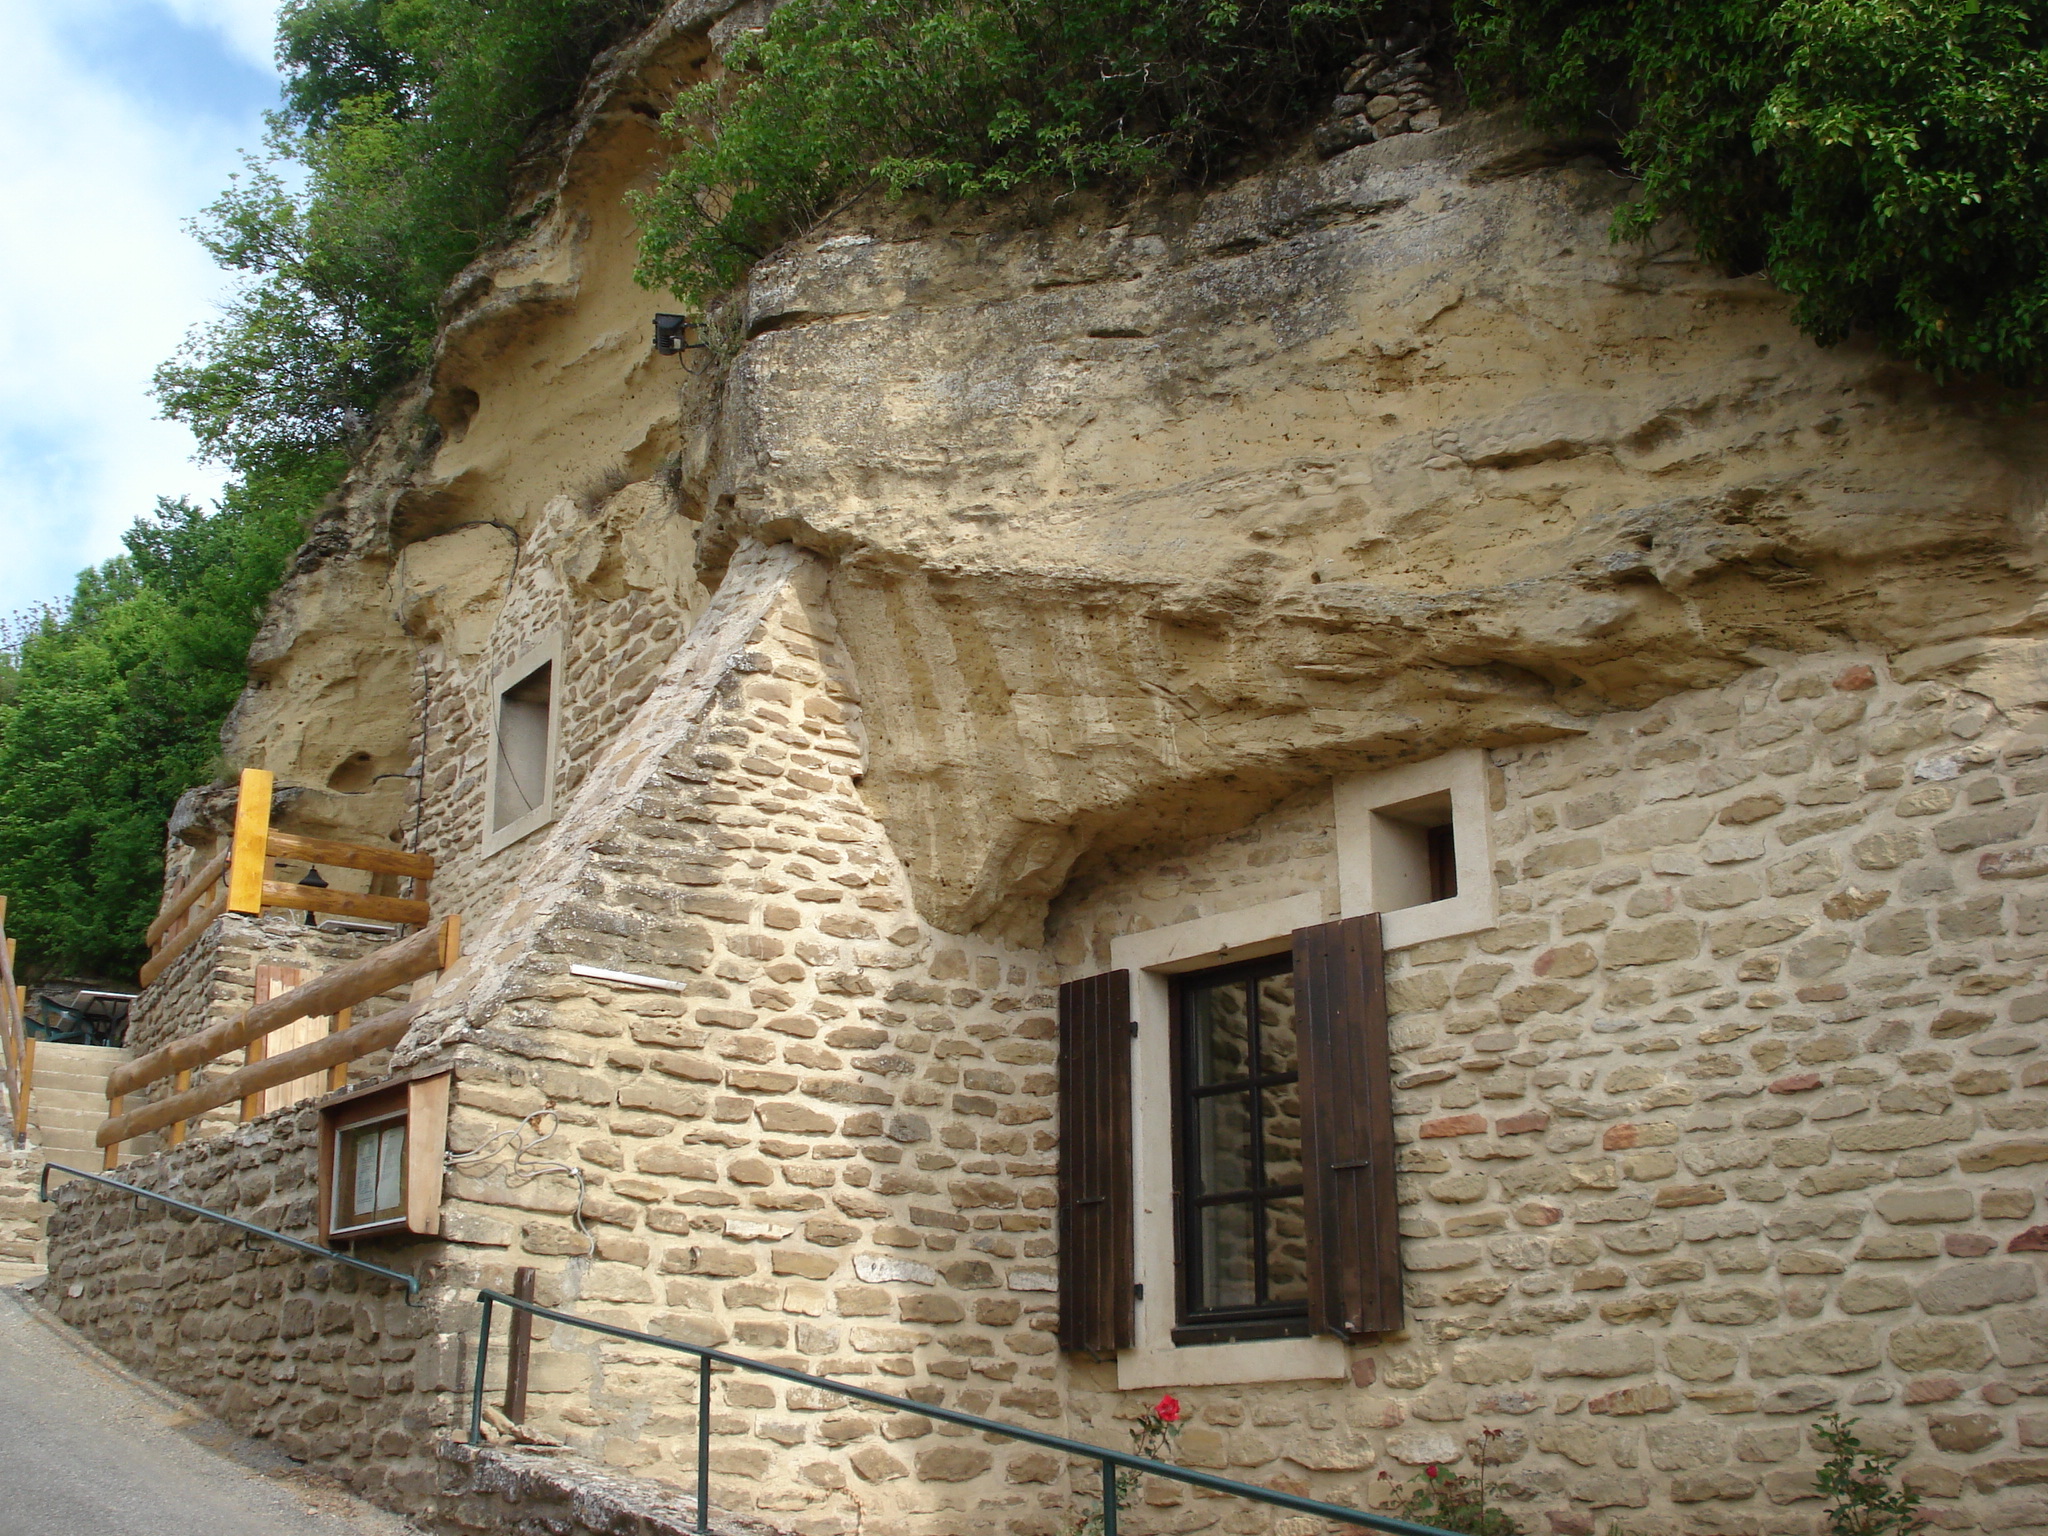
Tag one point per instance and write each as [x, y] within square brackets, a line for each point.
[476, 1391]
[703, 1444]
[519, 1346]
[1108, 1497]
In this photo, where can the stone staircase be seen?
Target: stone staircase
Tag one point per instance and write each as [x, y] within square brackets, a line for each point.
[66, 1102]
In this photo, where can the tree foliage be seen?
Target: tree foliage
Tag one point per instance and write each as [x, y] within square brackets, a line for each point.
[974, 98]
[1883, 161]
[388, 169]
[110, 708]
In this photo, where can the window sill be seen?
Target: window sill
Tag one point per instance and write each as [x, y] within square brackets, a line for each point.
[1232, 1365]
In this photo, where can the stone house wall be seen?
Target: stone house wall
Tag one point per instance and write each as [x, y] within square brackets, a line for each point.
[1725, 1123]
[1729, 1122]
[214, 981]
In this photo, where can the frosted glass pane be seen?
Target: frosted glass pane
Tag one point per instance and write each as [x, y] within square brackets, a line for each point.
[364, 1145]
[390, 1169]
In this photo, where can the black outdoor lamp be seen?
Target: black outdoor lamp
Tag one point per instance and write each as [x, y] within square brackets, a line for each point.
[670, 335]
[312, 878]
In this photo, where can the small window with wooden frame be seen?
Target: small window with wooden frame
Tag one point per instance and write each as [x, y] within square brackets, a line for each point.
[525, 727]
[381, 1159]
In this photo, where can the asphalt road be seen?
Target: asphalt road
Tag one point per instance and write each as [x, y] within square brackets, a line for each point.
[86, 1449]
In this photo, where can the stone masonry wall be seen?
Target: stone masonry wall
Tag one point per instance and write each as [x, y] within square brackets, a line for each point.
[215, 980]
[1729, 1123]
[831, 1145]
[330, 1363]
[610, 575]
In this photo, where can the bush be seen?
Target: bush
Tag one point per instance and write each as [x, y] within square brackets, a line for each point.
[975, 98]
[1882, 160]
[1857, 1483]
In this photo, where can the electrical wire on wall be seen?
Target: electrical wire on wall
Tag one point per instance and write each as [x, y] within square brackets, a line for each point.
[523, 1169]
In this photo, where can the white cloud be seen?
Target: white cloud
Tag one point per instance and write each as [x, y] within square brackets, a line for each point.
[249, 27]
[101, 165]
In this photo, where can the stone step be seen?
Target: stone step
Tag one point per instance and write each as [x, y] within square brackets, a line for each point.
[65, 1098]
[98, 1059]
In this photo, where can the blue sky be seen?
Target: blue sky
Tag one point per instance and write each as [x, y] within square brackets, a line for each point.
[119, 120]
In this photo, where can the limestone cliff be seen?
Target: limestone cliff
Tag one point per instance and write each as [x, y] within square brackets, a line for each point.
[1143, 517]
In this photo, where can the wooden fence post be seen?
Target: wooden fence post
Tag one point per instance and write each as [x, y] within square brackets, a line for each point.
[251, 842]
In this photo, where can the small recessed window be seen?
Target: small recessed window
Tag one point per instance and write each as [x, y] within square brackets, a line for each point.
[369, 1184]
[1415, 853]
[1243, 1234]
[525, 725]
[523, 711]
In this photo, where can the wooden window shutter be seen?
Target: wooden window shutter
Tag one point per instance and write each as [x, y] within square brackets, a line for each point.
[1097, 1242]
[1347, 1096]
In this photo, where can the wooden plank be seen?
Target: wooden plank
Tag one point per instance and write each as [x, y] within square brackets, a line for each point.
[252, 833]
[390, 966]
[185, 937]
[1096, 1198]
[312, 898]
[112, 1157]
[378, 861]
[426, 1148]
[253, 1052]
[28, 1086]
[451, 940]
[337, 1075]
[387, 1029]
[180, 1084]
[1348, 1152]
[274, 981]
[185, 895]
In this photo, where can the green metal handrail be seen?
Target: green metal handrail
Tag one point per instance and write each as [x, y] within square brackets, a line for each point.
[1110, 1460]
[410, 1282]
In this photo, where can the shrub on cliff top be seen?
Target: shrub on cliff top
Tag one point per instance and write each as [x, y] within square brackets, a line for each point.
[972, 98]
[1884, 161]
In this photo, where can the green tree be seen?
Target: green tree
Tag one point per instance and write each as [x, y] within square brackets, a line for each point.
[113, 708]
[1883, 161]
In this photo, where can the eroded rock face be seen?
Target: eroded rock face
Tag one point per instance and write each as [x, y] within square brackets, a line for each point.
[1145, 524]
[1344, 464]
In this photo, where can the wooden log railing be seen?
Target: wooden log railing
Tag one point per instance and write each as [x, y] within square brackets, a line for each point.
[237, 880]
[17, 1050]
[335, 995]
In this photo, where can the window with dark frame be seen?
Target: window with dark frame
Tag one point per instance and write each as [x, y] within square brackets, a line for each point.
[1243, 1237]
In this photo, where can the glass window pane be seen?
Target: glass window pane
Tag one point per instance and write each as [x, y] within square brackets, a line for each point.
[1276, 1024]
[391, 1170]
[1225, 1259]
[1223, 1144]
[363, 1153]
[1280, 1120]
[1219, 1033]
[1286, 1251]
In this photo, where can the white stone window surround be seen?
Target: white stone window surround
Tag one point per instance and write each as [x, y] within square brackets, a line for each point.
[1153, 958]
[1362, 847]
[546, 652]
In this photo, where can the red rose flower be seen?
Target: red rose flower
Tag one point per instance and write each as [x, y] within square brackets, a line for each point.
[1168, 1409]
[1429, 1471]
